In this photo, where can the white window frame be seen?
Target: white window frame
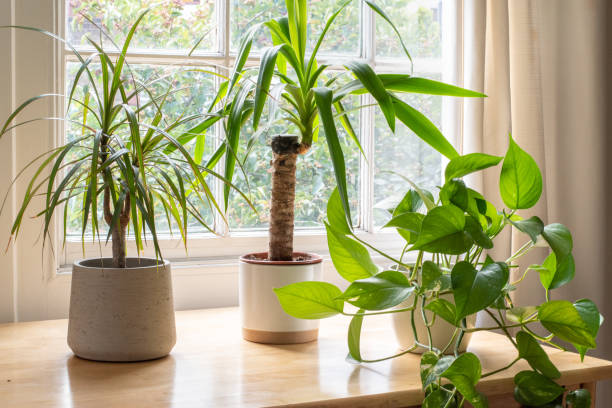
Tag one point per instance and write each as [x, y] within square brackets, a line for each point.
[207, 275]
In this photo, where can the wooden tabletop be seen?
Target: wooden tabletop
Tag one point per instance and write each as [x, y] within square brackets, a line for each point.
[211, 366]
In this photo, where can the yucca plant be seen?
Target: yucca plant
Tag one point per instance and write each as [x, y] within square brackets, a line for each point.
[308, 101]
[125, 166]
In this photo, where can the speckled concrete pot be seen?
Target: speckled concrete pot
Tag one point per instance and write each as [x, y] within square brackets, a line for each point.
[121, 314]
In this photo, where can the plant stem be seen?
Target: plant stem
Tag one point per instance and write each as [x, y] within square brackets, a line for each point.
[389, 257]
[410, 349]
[501, 369]
[424, 317]
[282, 201]
[475, 329]
[521, 251]
[451, 340]
[501, 326]
[460, 337]
[450, 399]
[405, 309]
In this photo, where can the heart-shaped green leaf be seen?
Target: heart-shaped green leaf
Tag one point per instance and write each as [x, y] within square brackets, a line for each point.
[443, 308]
[474, 229]
[385, 290]
[469, 163]
[520, 181]
[354, 336]
[310, 299]
[554, 274]
[455, 192]
[521, 314]
[534, 389]
[336, 215]
[580, 398]
[431, 276]
[411, 202]
[442, 231]
[464, 373]
[408, 225]
[476, 290]
[351, 259]
[437, 398]
[531, 226]
[530, 350]
[432, 367]
[562, 319]
[590, 315]
[559, 238]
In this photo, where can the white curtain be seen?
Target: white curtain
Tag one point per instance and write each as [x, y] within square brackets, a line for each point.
[543, 65]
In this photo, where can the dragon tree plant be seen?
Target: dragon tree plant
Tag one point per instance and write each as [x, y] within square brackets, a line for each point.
[310, 96]
[125, 166]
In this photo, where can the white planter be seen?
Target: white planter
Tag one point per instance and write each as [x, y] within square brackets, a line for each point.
[263, 319]
[441, 330]
[121, 314]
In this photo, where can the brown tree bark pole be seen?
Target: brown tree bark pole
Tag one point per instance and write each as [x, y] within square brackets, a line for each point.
[285, 149]
[118, 232]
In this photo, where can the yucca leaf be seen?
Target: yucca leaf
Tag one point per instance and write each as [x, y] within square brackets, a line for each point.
[423, 128]
[91, 195]
[323, 98]
[381, 13]
[346, 124]
[120, 61]
[321, 37]
[409, 84]
[243, 54]
[22, 107]
[376, 88]
[302, 20]
[312, 81]
[234, 124]
[293, 26]
[266, 70]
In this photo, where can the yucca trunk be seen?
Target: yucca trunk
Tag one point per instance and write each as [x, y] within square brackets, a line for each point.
[118, 229]
[285, 149]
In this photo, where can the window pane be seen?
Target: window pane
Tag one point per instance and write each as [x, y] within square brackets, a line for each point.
[315, 179]
[406, 154]
[418, 21]
[192, 90]
[169, 24]
[342, 38]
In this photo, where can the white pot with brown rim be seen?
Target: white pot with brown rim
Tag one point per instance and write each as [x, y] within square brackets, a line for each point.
[121, 314]
[263, 319]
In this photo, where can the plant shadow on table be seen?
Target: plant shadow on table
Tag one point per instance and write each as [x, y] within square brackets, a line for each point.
[134, 384]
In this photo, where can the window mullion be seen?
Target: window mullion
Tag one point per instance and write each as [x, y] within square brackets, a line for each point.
[368, 34]
[220, 226]
[366, 164]
[225, 29]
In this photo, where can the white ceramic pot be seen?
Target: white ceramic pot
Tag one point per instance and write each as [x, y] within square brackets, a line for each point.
[441, 330]
[263, 319]
[121, 314]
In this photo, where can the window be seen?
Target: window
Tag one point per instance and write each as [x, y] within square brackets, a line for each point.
[172, 27]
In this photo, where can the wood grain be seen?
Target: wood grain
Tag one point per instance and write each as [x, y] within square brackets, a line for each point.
[212, 366]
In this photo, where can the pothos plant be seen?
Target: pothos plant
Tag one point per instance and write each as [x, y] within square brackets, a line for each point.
[310, 95]
[126, 163]
[452, 279]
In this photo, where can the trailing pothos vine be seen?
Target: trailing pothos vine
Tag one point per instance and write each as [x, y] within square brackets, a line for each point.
[453, 279]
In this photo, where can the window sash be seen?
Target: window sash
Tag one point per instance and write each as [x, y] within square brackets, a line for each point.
[230, 244]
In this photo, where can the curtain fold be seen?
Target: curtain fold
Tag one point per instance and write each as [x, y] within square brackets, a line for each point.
[542, 64]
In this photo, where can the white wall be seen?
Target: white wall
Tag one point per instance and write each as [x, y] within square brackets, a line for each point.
[6, 170]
